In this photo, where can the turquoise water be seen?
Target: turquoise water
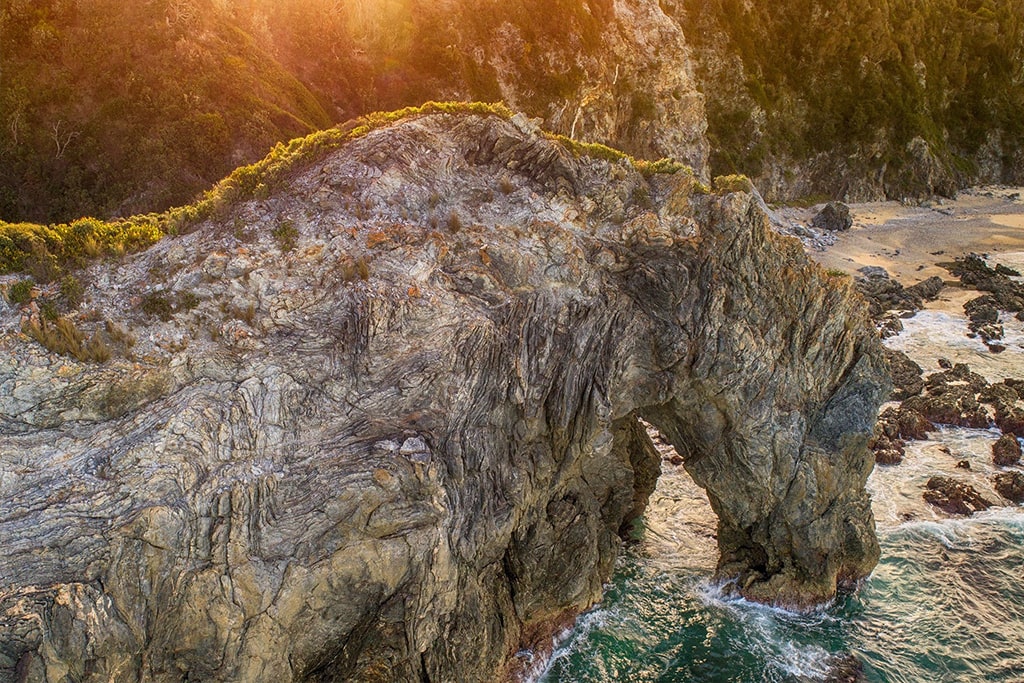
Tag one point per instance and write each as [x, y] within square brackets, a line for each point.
[946, 603]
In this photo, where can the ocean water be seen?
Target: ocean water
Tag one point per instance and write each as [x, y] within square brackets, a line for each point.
[946, 602]
[944, 605]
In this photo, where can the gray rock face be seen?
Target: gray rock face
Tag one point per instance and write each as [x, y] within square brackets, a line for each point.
[834, 216]
[404, 448]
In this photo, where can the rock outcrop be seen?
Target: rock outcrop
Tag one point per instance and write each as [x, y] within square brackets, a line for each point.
[954, 496]
[385, 426]
[834, 217]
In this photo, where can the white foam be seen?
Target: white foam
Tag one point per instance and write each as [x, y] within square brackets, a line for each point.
[764, 626]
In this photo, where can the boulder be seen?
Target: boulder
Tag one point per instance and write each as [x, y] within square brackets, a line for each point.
[1010, 485]
[1006, 451]
[834, 216]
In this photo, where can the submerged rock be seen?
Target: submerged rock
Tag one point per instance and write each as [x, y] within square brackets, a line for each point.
[402, 441]
[1010, 485]
[955, 497]
[1006, 451]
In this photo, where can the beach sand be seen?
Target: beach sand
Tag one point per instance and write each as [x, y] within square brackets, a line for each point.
[908, 241]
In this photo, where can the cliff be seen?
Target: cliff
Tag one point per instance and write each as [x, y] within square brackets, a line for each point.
[379, 420]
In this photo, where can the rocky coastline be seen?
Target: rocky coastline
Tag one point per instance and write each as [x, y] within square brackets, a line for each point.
[381, 421]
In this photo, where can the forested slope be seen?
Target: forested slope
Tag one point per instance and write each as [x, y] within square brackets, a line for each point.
[110, 108]
[862, 97]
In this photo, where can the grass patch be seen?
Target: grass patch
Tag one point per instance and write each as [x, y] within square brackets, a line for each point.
[63, 337]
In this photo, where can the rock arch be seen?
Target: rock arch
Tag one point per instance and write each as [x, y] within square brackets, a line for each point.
[414, 475]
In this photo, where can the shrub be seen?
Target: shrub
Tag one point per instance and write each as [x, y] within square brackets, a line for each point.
[20, 292]
[286, 234]
[158, 306]
[724, 184]
[71, 290]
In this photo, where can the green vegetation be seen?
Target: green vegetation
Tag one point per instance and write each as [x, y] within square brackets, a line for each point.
[156, 305]
[164, 307]
[857, 81]
[599, 151]
[732, 183]
[286, 235]
[20, 292]
[45, 251]
[109, 108]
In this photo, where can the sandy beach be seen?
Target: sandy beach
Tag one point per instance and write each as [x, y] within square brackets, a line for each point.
[908, 241]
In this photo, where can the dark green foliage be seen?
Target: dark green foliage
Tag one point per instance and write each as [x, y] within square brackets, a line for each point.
[72, 292]
[20, 292]
[158, 306]
[108, 107]
[860, 77]
[164, 307]
[286, 235]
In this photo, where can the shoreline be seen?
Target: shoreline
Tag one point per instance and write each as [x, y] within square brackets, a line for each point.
[910, 241]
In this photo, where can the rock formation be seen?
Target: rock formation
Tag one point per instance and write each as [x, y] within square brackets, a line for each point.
[1010, 485]
[834, 216]
[385, 426]
[954, 496]
[1006, 451]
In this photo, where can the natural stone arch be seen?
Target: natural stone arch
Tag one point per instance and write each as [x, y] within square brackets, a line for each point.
[415, 475]
[770, 402]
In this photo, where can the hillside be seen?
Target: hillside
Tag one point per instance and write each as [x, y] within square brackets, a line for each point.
[109, 109]
[861, 98]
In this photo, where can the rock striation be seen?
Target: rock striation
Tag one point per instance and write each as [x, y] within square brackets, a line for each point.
[386, 427]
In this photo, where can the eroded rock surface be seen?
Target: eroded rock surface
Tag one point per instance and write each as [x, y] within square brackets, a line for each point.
[954, 496]
[1010, 485]
[388, 430]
